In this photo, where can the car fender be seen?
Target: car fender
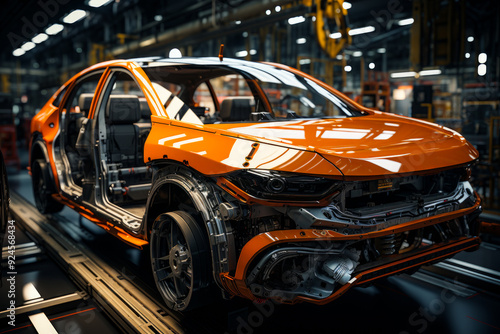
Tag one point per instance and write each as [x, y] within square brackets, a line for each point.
[217, 151]
[204, 203]
[39, 151]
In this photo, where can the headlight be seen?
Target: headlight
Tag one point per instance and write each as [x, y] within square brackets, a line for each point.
[276, 185]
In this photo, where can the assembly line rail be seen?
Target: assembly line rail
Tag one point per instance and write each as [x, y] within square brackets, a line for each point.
[129, 307]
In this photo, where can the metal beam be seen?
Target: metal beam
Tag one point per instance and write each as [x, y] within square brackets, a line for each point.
[23, 71]
[204, 28]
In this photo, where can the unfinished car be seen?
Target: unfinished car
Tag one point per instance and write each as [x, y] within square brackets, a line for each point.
[253, 178]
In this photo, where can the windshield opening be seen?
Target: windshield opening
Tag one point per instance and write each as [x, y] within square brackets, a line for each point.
[243, 92]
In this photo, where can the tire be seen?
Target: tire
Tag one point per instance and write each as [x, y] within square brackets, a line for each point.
[180, 259]
[43, 188]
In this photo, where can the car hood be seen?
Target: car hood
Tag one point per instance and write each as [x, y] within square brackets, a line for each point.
[377, 144]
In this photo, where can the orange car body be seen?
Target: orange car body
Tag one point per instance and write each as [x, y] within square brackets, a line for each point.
[375, 154]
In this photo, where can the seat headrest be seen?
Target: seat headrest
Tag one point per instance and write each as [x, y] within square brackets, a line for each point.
[84, 102]
[123, 109]
[237, 108]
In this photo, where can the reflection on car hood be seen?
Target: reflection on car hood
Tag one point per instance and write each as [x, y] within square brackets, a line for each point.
[378, 144]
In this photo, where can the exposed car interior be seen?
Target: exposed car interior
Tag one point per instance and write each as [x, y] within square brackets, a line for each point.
[124, 122]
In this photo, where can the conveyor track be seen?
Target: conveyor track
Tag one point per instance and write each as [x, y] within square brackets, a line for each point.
[128, 306]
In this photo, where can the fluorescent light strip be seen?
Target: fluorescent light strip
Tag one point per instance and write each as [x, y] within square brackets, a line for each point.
[54, 29]
[406, 22]
[243, 53]
[363, 30]
[74, 16]
[98, 3]
[429, 72]
[410, 74]
[28, 46]
[335, 35]
[40, 38]
[296, 20]
[18, 52]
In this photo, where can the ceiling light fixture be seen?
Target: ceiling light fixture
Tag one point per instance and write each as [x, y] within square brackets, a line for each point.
[346, 5]
[18, 52]
[481, 70]
[54, 29]
[28, 46]
[242, 53]
[175, 53]
[74, 16]
[482, 58]
[412, 74]
[335, 35]
[363, 30]
[40, 38]
[296, 20]
[429, 72]
[398, 75]
[98, 3]
[406, 22]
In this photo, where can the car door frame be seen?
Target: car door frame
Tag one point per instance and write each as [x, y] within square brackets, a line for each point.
[67, 187]
[113, 212]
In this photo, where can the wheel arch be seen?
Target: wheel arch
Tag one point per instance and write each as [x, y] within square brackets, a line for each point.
[159, 201]
[177, 187]
[173, 188]
[39, 150]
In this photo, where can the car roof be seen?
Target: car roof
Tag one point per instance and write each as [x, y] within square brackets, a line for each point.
[214, 61]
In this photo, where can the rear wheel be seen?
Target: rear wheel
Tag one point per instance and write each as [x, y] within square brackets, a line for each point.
[180, 258]
[43, 188]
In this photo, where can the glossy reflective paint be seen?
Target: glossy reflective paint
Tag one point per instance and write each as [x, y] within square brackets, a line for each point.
[377, 144]
[217, 151]
[372, 145]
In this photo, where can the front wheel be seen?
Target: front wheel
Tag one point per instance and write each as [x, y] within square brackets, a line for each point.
[43, 188]
[180, 258]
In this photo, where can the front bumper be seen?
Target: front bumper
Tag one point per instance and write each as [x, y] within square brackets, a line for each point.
[270, 246]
